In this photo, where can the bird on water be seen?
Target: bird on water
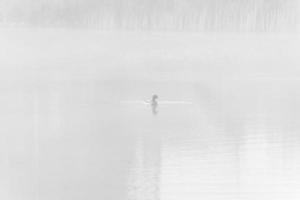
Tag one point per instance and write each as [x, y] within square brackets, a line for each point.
[154, 104]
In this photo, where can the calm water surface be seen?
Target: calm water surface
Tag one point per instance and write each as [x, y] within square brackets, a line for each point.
[74, 140]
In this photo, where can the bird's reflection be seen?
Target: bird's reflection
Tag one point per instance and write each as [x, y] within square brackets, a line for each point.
[146, 171]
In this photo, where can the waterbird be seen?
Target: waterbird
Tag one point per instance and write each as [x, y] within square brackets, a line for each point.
[154, 104]
[154, 101]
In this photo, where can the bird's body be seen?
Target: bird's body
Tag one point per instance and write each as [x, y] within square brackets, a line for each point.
[154, 104]
[154, 101]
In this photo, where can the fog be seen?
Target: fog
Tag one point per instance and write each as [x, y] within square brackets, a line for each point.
[74, 124]
[78, 119]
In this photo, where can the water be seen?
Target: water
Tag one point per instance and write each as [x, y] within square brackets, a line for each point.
[75, 123]
[238, 139]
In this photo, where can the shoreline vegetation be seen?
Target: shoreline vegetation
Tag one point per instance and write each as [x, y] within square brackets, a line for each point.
[163, 15]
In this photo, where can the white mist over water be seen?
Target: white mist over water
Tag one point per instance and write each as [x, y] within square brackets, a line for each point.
[66, 135]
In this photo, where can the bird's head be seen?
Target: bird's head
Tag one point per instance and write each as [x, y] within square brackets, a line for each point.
[154, 97]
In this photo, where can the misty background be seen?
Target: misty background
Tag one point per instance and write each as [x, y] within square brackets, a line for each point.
[195, 15]
[76, 76]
